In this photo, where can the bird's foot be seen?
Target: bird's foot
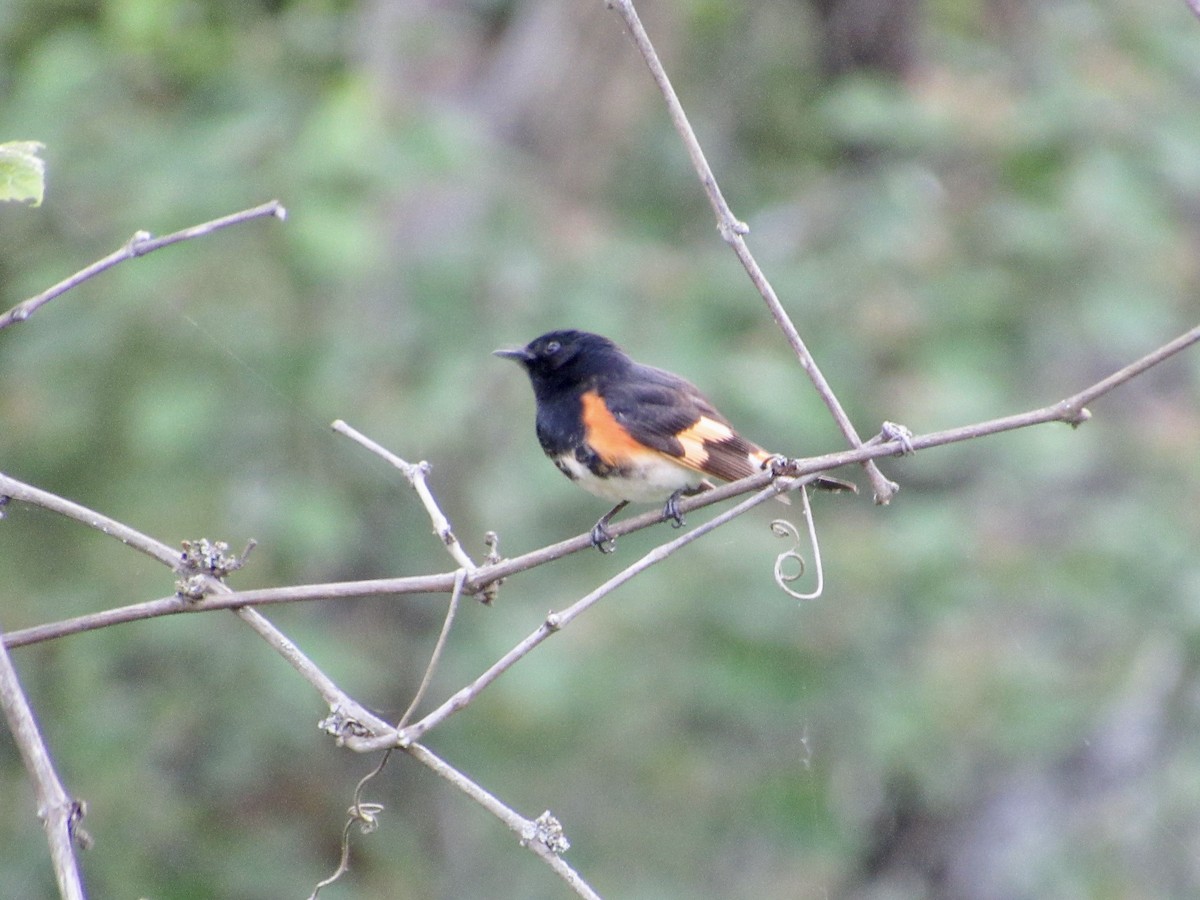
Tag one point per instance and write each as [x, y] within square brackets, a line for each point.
[601, 539]
[671, 510]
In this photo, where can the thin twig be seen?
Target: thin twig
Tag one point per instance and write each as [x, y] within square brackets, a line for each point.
[352, 720]
[436, 655]
[175, 604]
[226, 598]
[416, 475]
[10, 487]
[367, 814]
[1122, 375]
[55, 808]
[526, 829]
[556, 621]
[27, 493]
[343, 865]
[352, 716]
[733, 231]
[139, 245]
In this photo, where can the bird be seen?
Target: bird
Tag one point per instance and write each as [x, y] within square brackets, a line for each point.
[628, 432]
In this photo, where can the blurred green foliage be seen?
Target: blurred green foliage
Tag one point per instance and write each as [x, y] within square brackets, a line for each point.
[22, 172]
[996, 697]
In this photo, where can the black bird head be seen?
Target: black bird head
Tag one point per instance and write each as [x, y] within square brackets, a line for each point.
[566, 358]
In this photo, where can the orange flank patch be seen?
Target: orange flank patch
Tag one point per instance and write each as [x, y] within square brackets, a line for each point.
[612, 442]
[707, 446]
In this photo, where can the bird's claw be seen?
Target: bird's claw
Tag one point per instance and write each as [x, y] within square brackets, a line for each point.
[671, 510]
[602, 540]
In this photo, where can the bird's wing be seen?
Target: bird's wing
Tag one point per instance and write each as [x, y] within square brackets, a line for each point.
[668, 413]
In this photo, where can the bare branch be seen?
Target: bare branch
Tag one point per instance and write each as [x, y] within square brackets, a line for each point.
[1070, 410]
[733, 231]
[349, 720]
[416, 475]
[175, 604]
[526, 829]
[352, 717]
[451, 611]
[59, 814]
[19, 490]
[1118, 378]
[139, 245]
[556, 621]
[334, 696]
[354, 725]
[226, 598]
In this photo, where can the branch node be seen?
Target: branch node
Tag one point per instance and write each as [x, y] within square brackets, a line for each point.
[732, 229]
[900, 434]
[193, 587]
[547, 831]
[213, 557]
[890, 489]
[342, 726]
[553, 621]
[491, 541]
[203, 560]
[136, 245]
[1075, 416]
[780, 465]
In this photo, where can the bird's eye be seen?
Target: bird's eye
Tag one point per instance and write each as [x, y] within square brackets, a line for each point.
[552, 348]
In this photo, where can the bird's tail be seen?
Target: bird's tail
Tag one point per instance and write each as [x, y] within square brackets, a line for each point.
[837, 485]
[821, 483]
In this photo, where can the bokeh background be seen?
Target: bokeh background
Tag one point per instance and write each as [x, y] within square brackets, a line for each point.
[969, 208]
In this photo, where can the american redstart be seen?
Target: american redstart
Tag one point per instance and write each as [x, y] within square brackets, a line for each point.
[624, 431]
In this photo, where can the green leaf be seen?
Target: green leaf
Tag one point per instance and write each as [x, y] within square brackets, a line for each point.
[22, 172]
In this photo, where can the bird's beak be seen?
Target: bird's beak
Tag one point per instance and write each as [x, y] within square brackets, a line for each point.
[520, 354]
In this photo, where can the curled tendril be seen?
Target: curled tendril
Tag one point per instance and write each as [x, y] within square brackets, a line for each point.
[786, 529]
[367, 817]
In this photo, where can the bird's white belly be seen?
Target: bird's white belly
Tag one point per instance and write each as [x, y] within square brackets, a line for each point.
[650, 481]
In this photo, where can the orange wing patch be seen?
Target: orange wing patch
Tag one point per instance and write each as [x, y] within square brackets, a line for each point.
[611, 441]
[704, 431]
[714, 448]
